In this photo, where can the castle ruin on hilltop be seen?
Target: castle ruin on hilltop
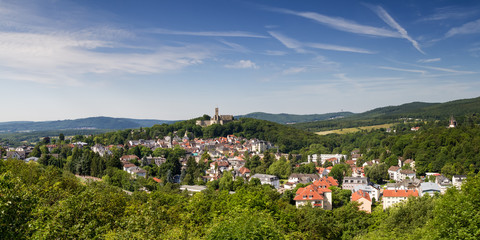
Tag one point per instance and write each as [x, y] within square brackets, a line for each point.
[217, 119]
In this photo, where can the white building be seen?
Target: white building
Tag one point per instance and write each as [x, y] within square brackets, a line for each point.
[391, 197]
[458, 180]
[321, 158]
[268, 179]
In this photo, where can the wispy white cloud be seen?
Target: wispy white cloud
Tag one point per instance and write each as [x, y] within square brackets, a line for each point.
[467, 28]
[242, 64]
[294, 70]
[207, 33]
[430, 60]
[298, 46]
[235, 46]
[338, 48]
[275, 53]
[392, 23]
[45, 51]
[341, 24]
[403, 69]
[288, 42]
[449, 70]
[450, 12]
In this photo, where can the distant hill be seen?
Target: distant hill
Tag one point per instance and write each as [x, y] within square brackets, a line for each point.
[284, 118]
[416, 110]
[83, 123]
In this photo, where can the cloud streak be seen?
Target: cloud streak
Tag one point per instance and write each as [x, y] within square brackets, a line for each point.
[299, 47]
[207, 33]
[403, 70]
[242, 64]
[341, 24]
[429, 60]
[467, 28]
[392, 23]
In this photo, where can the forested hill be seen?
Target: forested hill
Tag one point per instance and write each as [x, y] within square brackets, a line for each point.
[84, 123]
[415, 110]
[285, 118]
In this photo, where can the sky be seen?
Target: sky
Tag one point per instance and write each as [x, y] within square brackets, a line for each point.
[175, 60]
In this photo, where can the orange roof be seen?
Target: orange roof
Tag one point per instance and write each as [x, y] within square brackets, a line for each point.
[326, 182]
[157, 180]
[310, 192]
[360, 194]
[243, 170]
[400, 193]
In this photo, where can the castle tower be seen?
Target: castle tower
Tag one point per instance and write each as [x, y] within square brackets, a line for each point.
[217, 117]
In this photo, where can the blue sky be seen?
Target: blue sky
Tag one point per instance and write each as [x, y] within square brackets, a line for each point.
[174, 60]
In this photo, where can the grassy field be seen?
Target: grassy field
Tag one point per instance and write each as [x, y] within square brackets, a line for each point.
[352, 130]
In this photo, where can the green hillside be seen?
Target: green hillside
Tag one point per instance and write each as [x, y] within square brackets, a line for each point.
[392, 114]
[284, 118]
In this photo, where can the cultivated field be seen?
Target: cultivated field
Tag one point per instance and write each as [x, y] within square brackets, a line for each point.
[352, 130]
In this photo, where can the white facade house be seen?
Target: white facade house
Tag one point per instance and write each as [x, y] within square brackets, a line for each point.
[322, 158]
[268, 179]
[349, 183]
[458, 180]
[392, 197]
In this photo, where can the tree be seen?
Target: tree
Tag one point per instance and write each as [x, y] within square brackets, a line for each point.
[61, 137]
[377, 173]
[226, 181]
[338, 172]
[280, 168]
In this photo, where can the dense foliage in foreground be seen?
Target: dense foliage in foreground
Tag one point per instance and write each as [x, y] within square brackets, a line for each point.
[38, 202]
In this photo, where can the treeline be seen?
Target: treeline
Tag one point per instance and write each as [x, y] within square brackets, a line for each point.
[40, 202]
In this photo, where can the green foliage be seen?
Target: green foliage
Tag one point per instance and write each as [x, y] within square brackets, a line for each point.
[377, 173]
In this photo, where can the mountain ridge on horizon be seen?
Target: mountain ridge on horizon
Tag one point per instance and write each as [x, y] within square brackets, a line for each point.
[412, 109]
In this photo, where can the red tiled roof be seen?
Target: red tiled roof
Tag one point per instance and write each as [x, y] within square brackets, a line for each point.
[360, 194]
[310, 193]
[394, 168]
[400, 193]
[157, 180]
[244, 170]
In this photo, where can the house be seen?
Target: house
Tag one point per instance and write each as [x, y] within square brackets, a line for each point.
[429, 188]
[443, 182]
[322, 158]
[317, 194]
[349, 183]
[391, 197]
[127, 166]
[414, 129]
[458, 180]
[358, 172]
[268, 179]
[406, 174]
[393, 171]
[244, 172]
[322, 172]
[302, 178]
[16, 155]
[136, 171]
[126, 158]
[372, 190]
[101, 150]
[370, 163]
[363, 198]
[410, 184]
